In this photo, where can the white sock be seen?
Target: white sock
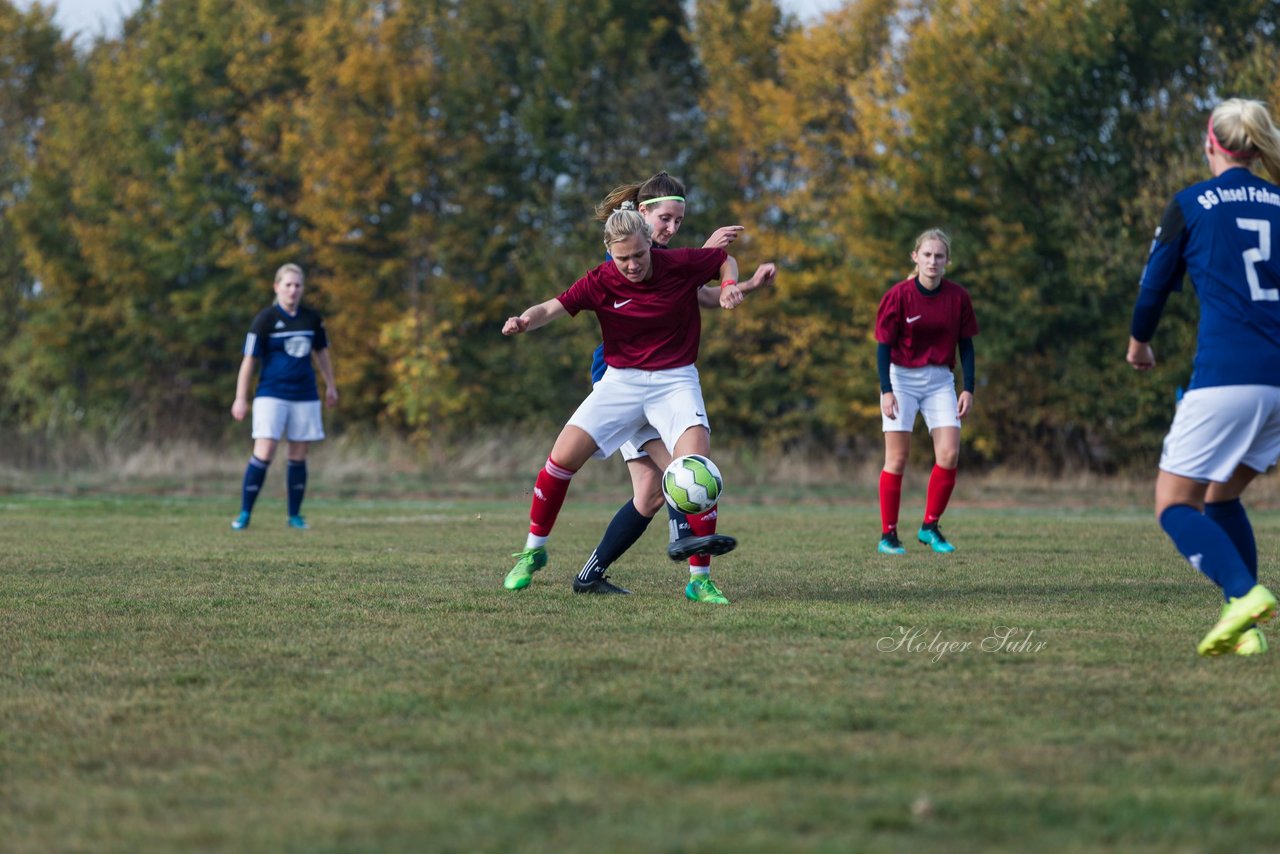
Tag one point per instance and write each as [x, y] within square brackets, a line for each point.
[535, 542]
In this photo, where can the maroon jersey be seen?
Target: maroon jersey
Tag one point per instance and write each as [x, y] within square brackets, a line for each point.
[924, 328]
[654, 324]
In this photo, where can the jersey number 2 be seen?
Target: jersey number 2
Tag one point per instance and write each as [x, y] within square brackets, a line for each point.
[1253, 256]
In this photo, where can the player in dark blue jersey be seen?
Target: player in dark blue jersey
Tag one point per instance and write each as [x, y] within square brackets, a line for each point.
[1226, 431]
[284, 338]
[661, 201]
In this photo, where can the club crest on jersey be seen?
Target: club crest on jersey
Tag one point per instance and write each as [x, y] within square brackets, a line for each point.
[279, 324]
[298, 346]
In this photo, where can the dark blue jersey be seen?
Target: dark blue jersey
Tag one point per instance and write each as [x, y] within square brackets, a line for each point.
[284, 343]
[1221, 232]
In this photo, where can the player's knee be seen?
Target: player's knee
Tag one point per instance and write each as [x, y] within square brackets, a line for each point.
[648, 503]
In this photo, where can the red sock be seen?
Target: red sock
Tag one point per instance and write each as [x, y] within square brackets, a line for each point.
[890, 501]
[549, 491]
[941, 482]
[702, 525]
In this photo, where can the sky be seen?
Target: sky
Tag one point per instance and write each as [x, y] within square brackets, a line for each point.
[92, 17]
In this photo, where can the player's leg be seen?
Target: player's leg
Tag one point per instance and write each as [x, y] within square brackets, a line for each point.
[940, 409]
[1214, 432]
[897, 446]
[682, 543]
[304, 426]
[909, 386]
[626, 526]
[611, 414]
[572, 449]
[1223, 506]
[1207, 547]
[942, 482]
[268, 427]
[296, 480]
[697, 440]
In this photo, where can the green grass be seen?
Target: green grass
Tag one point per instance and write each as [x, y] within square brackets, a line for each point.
[368, 685]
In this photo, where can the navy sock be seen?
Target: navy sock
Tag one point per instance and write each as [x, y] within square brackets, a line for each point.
[254, 475]
[297, 479]
[1208, 548]
[1231, 518]
[678, 524]
[626, 526]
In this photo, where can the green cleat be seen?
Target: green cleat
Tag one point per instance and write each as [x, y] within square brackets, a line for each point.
[1258, 605]
[932, 537]
[703, 589]
[1251, 642]
[241, 522]
[299, 523]
[531, 560]
[891, 545]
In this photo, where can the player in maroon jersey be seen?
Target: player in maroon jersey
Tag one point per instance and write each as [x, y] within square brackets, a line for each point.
[920, 324]
[647, 306]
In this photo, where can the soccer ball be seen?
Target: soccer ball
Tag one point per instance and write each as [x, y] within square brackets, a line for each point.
[692, 484]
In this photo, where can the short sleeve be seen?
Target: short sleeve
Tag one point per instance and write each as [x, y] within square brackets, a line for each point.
[888, 318]
[255, 343]
[584, 294]
[321, 336]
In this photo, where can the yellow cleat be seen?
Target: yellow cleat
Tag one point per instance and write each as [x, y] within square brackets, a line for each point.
[1256, 606]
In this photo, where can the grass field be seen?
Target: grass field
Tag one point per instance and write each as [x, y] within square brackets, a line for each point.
[368, 685]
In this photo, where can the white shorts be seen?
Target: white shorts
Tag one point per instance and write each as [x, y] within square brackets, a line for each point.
[1218, 429]
[627, 399]
[296, 420]
[633, 448]
[930, 390]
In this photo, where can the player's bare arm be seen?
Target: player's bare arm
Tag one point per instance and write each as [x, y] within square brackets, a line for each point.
[326, 371]
[723, 236]
[534, 317]
[240, 406]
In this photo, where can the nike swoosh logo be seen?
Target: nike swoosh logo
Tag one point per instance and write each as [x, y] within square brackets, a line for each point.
[621, 304]
[914, 319]
[699, 414]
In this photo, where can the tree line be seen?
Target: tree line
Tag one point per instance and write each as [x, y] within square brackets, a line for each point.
[433, 165]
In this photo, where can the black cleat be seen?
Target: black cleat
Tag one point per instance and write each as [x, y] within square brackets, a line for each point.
[599, 585]
[711, 544]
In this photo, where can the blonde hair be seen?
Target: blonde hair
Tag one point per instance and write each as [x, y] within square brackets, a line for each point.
[659, 186]
[1244, 132]
[288, 268]
[933, 234]
[623, 224]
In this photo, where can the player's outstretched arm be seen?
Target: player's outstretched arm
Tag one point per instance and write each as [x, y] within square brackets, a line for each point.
[240, 406]
[732, 295]
[764, 275]
[534, 317]
[723, 236]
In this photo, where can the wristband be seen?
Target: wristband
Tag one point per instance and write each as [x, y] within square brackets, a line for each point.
[727, 282]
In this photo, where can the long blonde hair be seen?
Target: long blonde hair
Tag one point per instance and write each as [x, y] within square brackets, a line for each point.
[1244, 131]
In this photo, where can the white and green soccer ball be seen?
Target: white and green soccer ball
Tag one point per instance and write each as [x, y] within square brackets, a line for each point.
[692, 484]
